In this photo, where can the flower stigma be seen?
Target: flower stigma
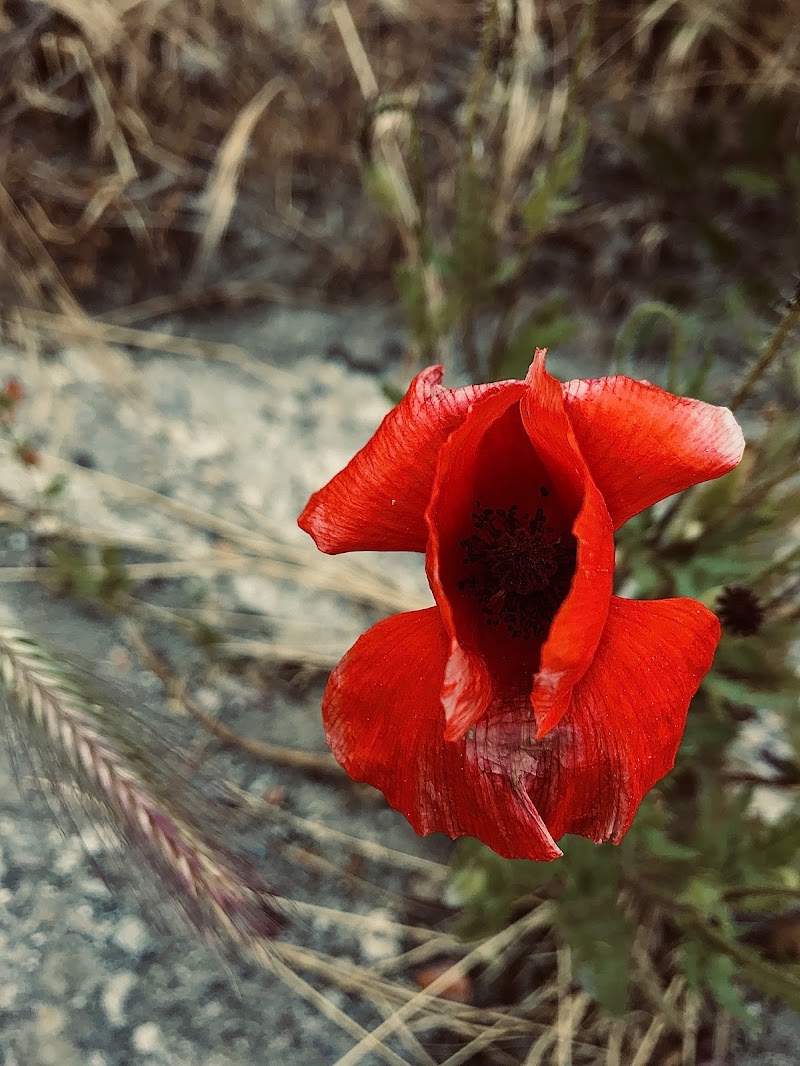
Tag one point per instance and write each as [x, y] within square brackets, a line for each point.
[518, 568]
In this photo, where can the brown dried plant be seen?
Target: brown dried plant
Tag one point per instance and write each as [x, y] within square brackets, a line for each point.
[93, 756]
[138, 134]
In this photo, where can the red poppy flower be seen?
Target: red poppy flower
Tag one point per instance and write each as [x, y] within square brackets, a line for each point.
[530, 702]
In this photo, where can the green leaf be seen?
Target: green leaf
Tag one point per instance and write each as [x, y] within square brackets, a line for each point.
[741, 695]
[426, 328]
[771, 979]
[467, 885]
[473, 260]
[550, 182]
[716, 972]
[601, 938]
[660, 846]
[380, 187]
[488, 886]
[605, 975]
[508, 270]
[750, 180]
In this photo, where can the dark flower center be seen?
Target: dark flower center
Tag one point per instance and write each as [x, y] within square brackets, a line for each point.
[518, 569]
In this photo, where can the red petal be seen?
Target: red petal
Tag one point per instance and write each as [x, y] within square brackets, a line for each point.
[489, 458]
[643, 444]
[626, 719]
[577, 626]
[378, 502]
[385, 725]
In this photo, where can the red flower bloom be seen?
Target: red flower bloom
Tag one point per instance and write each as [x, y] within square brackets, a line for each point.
[529, 702]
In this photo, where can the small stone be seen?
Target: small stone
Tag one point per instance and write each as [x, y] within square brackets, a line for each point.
[68, 859]
[114, 997]
[459, 990]
[147, 1038]
[379, 939]
[50, 1019]
[8, 996]
[131, 935]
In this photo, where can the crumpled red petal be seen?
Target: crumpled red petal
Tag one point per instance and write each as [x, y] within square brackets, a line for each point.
[643, 444]
[378, 502]
[625, 721]
[385, 724]
[578, 625]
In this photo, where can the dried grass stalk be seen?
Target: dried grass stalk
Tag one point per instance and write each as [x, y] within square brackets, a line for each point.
[83, 747]
[163, 123]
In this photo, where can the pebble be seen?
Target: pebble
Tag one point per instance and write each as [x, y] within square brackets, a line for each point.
[131, 935]
[147, 1038]
[114, 996]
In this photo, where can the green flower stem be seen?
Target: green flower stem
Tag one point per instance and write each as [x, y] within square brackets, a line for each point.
[575, 79]
[789, 322]
[645, 312]
[577, 70]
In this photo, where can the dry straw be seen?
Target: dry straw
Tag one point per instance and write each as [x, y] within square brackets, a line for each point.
[82, 746]
[138, 134]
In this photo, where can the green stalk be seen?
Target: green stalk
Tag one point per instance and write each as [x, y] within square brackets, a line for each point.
[789, 322]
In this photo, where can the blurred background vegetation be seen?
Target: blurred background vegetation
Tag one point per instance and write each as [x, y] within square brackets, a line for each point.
[616, 176]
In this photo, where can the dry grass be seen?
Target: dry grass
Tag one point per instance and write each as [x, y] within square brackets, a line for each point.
[135, 135]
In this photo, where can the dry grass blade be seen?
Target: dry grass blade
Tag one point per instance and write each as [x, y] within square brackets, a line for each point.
[108, 126]
[31, 266]
[389, 148]
[543, 915]
[311, 762]
[80, 744]
[299, 563]
[224, 180]
[368, 849]
[651, 1038]
[83, 329]
[164, 84]
[324, 1005]
[97, 20]
[564, 1022]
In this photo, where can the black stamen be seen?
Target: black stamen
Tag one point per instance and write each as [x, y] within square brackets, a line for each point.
[518, 570]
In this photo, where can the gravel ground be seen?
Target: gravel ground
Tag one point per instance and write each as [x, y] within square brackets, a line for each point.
[86, 978]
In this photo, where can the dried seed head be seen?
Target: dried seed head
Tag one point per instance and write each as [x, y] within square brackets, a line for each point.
[740, 611]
